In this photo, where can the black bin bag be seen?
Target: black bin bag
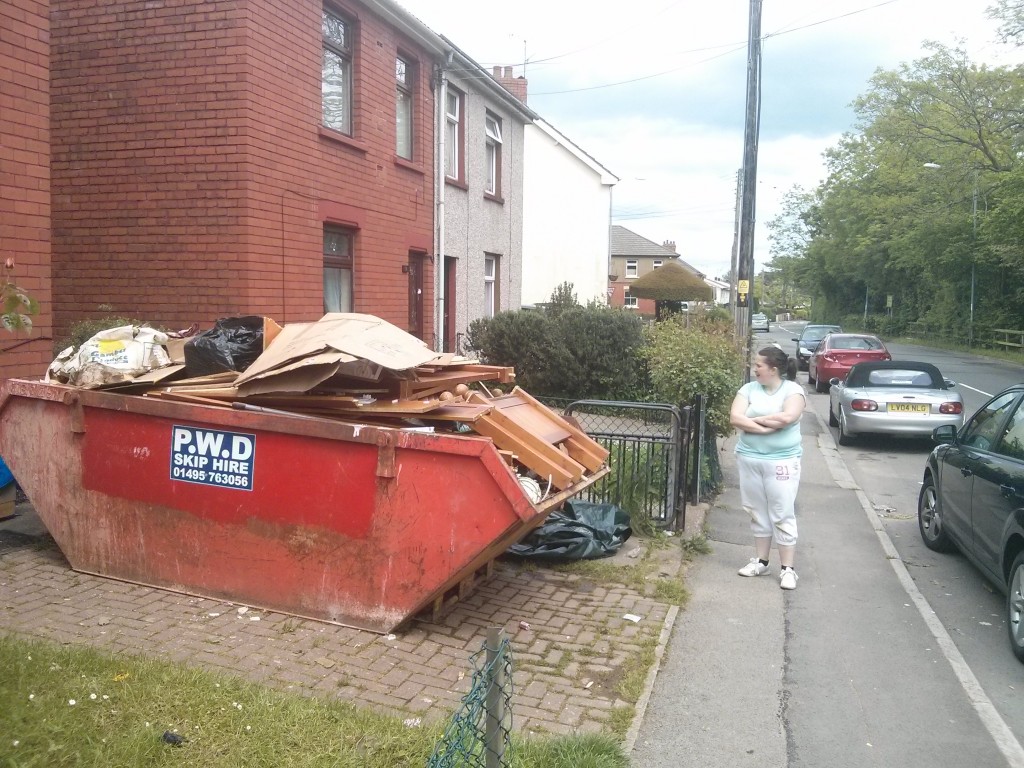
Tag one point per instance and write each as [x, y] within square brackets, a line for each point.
[581, 530]
[231, 345]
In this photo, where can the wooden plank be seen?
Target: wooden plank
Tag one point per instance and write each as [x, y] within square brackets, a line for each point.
[464, 412]
[538, 443]
[529, 456]
[584, 453]
[584, 439]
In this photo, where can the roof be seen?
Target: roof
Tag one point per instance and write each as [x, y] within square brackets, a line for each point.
[410, 25]
[607, 177]
[625, 242]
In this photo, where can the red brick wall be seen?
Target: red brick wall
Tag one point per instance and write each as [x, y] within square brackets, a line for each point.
[25, 177]
[191, 174]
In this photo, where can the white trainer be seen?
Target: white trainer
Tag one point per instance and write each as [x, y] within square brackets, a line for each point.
[787, 580]
[754, 568]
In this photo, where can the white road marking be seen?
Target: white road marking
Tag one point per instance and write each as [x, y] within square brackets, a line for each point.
[1001, 733]
[979, 391]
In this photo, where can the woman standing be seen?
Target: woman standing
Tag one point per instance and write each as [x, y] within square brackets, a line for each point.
[767, 413]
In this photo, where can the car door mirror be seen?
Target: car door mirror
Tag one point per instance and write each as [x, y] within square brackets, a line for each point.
[944, 435]
[795, 339]
[950, 383]
[835, 381]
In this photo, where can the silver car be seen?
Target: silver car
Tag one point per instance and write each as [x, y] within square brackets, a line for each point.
[893, 397]
[759, 322]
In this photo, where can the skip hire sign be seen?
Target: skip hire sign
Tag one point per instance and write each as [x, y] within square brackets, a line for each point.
[213, 457]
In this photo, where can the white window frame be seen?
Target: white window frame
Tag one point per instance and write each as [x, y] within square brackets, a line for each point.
[630, 302]
[490, 285]
[404, 119]
[453, 137]
[492, 130]
[632, 268]
[336, 75]
[658, 263]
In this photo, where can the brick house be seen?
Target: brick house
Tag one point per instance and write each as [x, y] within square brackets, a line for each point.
[25, 176]
[221, 158]
[633, 256]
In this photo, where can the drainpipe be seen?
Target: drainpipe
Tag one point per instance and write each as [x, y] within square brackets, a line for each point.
[439, 173]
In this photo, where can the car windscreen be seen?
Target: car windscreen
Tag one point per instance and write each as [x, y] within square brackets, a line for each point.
[856, 342]
[895, 377]
[815, 335]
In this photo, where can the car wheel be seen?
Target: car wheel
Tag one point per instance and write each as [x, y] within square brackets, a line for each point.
[822, 386]
[929, 518]
[832, 420]
[1015, 607]
[810, 378]
[844, 437]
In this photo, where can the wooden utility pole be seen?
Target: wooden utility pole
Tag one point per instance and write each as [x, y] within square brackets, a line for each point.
[745, 251]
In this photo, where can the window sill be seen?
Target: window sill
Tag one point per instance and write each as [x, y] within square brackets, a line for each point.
[341, 138]
[494, 198]
[631, 277]
[401, 162]
[456, 183]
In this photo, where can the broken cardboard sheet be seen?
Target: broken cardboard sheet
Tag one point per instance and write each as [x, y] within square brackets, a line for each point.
[306, 354]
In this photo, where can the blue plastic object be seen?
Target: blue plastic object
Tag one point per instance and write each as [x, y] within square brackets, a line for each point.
[6, 478]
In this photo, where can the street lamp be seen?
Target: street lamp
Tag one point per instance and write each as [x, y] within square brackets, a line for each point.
[974, 241]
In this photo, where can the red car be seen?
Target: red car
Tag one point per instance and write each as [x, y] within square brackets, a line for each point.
[838, 352]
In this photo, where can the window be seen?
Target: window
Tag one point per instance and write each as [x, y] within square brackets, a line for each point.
[336, 90]
[491, 298]
[632, 267]
[982, 431]
[453, 137]
[492, 125]
[657, 263]
[631, 302]
[1012, 443]
[338, 248]
[403, 108]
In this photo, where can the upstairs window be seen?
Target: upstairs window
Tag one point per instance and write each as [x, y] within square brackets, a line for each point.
[492, 127]
[632, 267]
[453, 135]
[403, 107]
[336, 89]
[657, 263]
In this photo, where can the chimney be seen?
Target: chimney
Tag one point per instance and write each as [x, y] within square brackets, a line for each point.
[514, 85]
[670, 244]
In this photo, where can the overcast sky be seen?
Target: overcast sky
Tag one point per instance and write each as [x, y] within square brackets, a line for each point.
[657, 95]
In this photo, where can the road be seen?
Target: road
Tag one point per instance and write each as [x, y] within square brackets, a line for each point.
[889, 472]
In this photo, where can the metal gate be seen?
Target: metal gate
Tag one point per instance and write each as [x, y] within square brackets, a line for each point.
[648, 445]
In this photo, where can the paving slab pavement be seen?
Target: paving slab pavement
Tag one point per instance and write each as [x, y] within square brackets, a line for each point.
[566, 664]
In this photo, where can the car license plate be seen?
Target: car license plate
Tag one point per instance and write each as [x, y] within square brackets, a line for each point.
[908, 408]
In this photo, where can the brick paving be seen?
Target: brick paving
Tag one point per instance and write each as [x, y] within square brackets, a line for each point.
[566, 664]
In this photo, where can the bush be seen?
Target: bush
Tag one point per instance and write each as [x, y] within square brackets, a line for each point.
[592, 351]
[699, 360]
[524, 340]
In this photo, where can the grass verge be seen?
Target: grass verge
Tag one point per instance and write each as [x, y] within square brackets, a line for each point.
[70, 706]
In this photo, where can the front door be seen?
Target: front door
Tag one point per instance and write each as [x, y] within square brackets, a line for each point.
[416, 294]
[448, 323]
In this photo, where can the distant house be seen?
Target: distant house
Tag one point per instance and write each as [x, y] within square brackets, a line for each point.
[566, 211]
[722, 290]
[633, 256]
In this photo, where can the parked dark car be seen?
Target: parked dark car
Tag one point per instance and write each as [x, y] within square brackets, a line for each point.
[972, 498]
[808, 340]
